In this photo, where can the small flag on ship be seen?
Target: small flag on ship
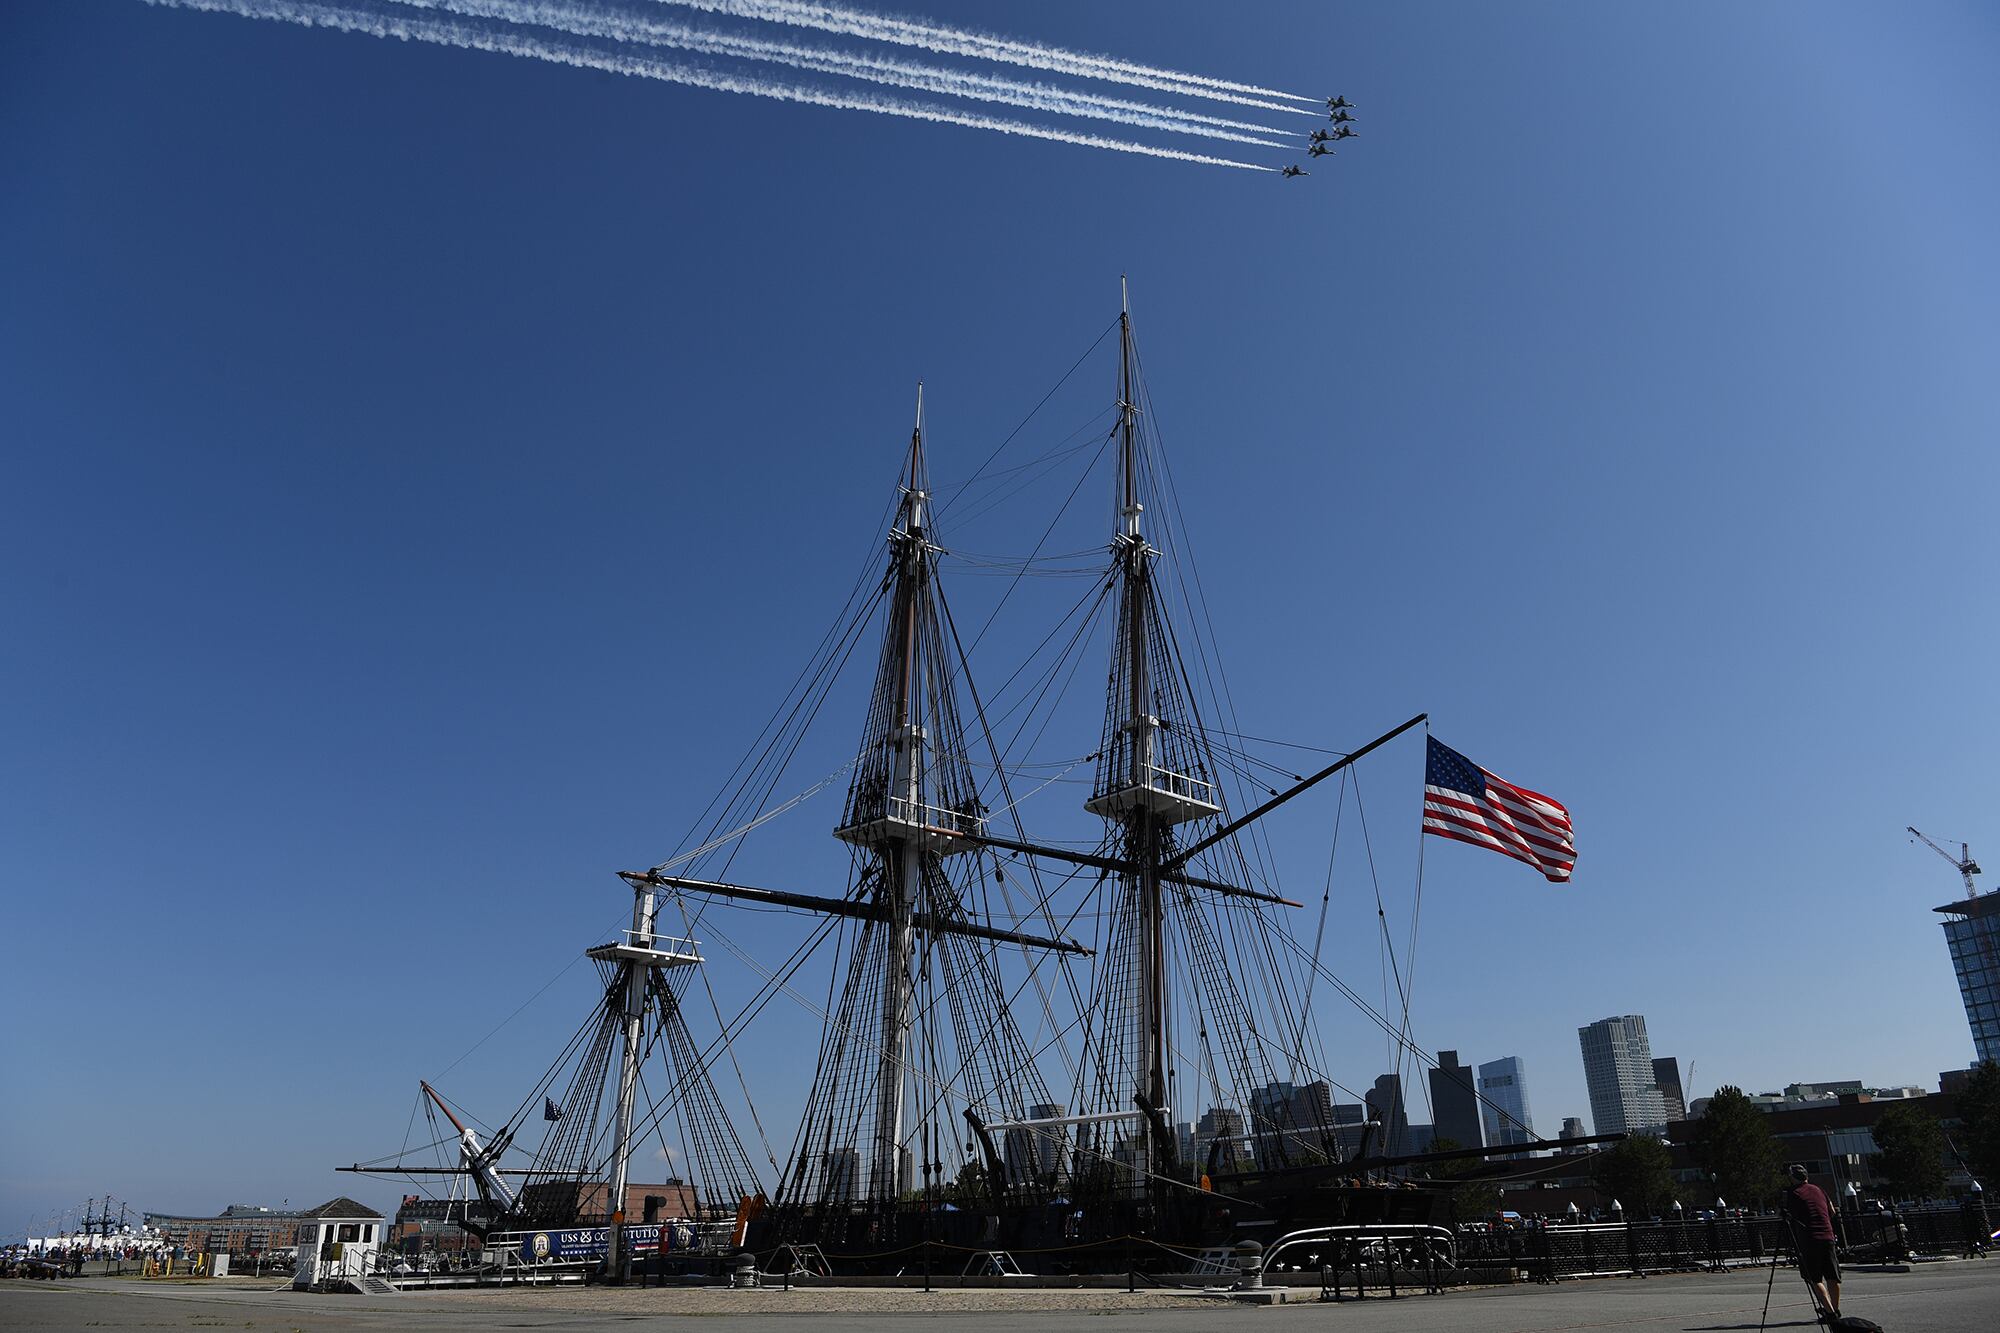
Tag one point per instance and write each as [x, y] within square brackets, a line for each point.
[550, 1111]
[1464, 801]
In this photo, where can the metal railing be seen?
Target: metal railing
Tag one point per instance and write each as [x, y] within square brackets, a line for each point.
[905, 811]
[1184, 785]
[1595, 1249]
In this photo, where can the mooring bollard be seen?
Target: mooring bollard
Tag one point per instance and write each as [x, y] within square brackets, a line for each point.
[1249, 1265]
[746, 1270]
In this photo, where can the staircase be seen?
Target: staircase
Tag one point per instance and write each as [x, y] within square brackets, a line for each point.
[994, 1263]
[373, 1286]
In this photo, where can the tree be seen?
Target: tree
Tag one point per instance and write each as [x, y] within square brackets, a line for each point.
[1638, 1173]
[1732, 1141]
[1474, 1200]
[1979, 1113]
[1912, 1152]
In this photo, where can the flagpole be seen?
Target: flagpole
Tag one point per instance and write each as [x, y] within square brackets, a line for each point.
[1180, 859]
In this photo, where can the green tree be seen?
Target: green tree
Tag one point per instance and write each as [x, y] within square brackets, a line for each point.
[1472, 1201]
[1638, 1173]
[1979, 1113]
[1912, 1152]
[1732, 1141]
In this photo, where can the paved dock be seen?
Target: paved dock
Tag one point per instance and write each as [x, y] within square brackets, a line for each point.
[1936, 1298]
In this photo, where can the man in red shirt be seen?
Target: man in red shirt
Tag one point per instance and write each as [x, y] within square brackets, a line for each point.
[1811, 1218]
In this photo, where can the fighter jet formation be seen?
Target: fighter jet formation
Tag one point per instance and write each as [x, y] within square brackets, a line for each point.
[1321, 141]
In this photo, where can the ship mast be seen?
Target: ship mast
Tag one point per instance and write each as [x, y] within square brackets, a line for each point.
[902, 858]
[1142, 799]
[638, 956]
[1141, 828]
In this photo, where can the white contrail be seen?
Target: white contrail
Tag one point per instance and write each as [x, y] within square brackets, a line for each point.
[516, 42]
[945, 41]
[623, 26]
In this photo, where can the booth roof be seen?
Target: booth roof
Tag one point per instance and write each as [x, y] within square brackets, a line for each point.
[342, 1207]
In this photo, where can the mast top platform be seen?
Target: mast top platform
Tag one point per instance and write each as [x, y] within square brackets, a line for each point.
[648, 950]
[931, 828]
[1173, 798]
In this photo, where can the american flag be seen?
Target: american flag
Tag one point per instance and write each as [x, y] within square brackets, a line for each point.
[1464, 801]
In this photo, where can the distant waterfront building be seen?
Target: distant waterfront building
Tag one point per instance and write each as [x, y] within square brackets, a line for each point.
[239, 1229]
[1385, 1103]
[247, 1229]
[1667, 1078]
[1349, 1120]
[1972, 930]
[1503, 1095]
[1454, 1104]
[843, 1175]
[1618, 1067]
[1805, 1096]
[1221, 1125]
[1292, 1124]
[1572, 1129]
[1037, 1154]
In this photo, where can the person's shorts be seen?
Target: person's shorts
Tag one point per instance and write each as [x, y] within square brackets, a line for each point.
[1818, 1261]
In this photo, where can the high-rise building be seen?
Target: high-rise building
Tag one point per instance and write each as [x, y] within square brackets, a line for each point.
[1349, 1122]
[1292, 1123]
[1618, 1067]
[1503, 1102]
[1219, 1137]
[1572, 1129]
[1454, 1104]
[1667, 1078]
[1036, 1154]
[1972, 929]
[1385, 1103]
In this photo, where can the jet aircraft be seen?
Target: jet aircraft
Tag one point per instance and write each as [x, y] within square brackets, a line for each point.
[1337, 103]
[1340, 118]
[1345, 132]
[1320, 149]
[1295, 171]
[1321, 136]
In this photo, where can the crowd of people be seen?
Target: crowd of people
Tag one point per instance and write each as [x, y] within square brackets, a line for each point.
[65, 1256]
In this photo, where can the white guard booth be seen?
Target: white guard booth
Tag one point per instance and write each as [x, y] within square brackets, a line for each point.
[337, 1240]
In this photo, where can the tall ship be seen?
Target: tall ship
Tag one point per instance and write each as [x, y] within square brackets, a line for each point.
[1092, 1036]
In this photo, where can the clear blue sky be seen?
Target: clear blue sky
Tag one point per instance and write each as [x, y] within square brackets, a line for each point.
[424, 469]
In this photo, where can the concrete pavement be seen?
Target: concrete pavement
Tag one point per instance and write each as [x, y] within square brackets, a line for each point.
[1940, 1298]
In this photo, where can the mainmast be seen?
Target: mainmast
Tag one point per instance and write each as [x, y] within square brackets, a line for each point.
[1142, 798]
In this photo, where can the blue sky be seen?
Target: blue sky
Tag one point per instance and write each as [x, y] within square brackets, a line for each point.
[424, 469]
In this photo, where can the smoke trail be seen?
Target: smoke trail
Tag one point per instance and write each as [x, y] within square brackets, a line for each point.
[940, 40]
[513, 42]
[624, 27]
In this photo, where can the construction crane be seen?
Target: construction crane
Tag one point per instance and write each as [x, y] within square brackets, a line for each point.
[1962, 863]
